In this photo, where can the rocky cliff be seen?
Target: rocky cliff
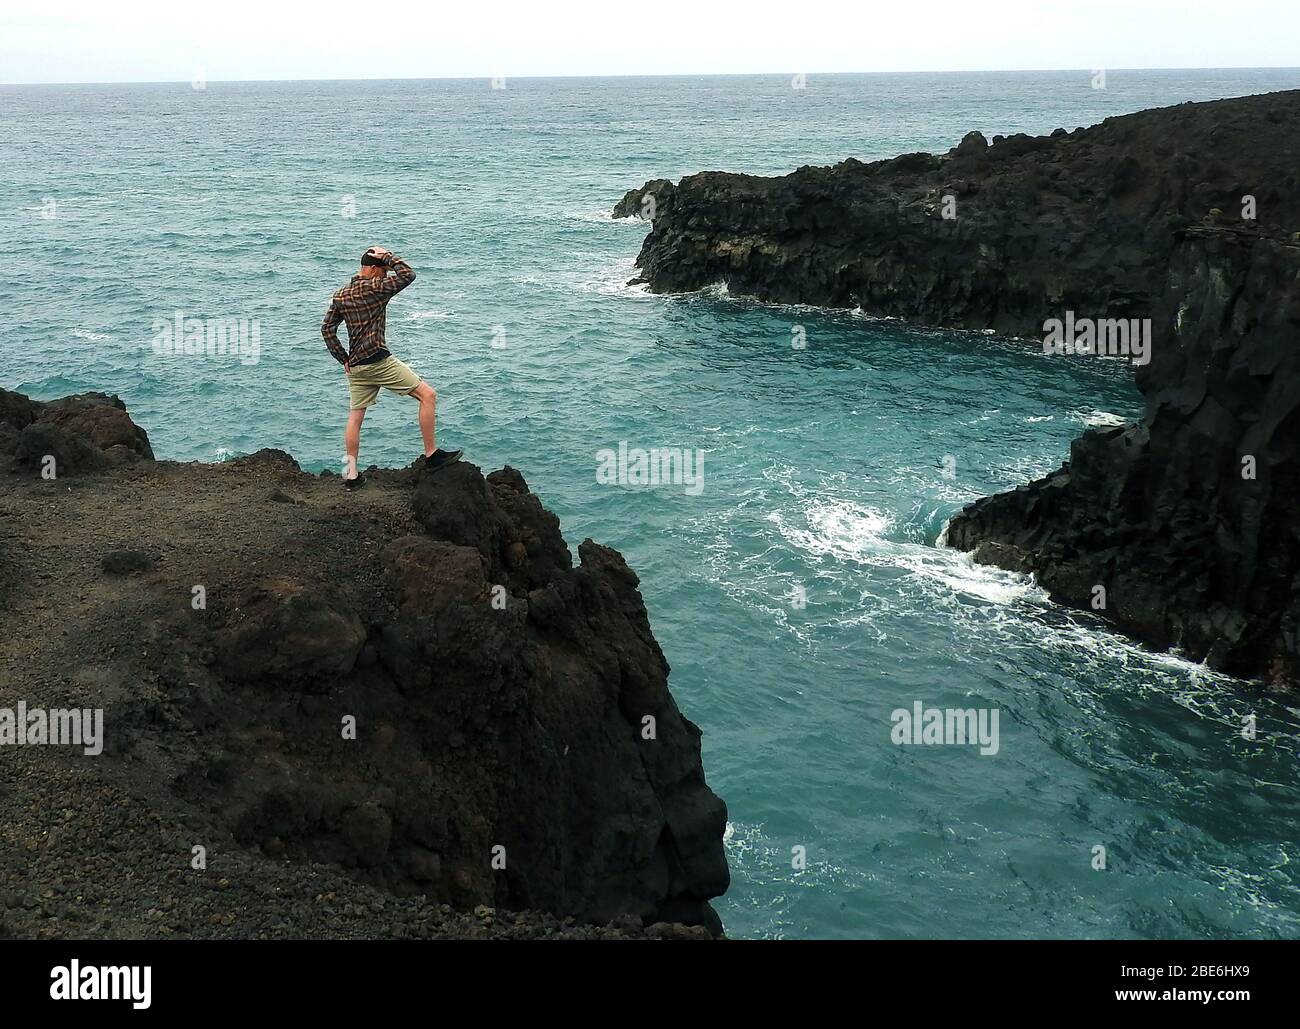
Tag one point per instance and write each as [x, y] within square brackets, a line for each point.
[1000, 235]
[371, 711]
[1182, 529]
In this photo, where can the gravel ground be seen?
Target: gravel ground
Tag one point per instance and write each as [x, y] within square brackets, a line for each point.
[96, 847]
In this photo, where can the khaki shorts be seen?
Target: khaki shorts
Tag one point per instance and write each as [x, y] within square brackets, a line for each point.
[365, 379]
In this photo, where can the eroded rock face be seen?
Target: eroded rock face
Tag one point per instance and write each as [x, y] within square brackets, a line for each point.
[1083, 220]
[533, 684]
[413, 682]
[1189, 519]
[513, 722]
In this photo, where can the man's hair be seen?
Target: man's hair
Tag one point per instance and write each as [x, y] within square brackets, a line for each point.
[369, 260]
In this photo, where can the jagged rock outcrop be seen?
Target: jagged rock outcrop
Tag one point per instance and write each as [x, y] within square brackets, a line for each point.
[1144, 216]
[1187, 520]
[413, 682]
[1083, 220]
[86, 432]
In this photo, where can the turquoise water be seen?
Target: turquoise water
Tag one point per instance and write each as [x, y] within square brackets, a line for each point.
[829, 470]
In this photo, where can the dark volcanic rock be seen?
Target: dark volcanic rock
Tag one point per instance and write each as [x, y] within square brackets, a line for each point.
[1138, 217]
[288, 631]
[1188, 519]
[54, 451]
[84, 433]
[518, 738]
[648, 202]
[99, 418]
[519, 539]
[1084, 221]
[267, 458]
[128, 562]
[415, 685]
[16, 410]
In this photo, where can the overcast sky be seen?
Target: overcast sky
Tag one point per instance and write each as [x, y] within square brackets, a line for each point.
[151, 40]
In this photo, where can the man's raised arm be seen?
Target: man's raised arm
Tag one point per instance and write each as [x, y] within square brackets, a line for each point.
[403, 276]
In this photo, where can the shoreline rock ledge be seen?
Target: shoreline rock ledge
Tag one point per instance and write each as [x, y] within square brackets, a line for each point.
[399, 712]
[1182, 529]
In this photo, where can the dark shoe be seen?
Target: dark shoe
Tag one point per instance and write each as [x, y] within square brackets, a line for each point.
[357, 483]
[441, 458]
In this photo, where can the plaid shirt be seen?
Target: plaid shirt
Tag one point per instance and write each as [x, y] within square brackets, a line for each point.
[362, 304]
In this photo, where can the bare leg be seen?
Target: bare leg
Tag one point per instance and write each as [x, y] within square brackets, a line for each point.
[428, 399]
[352, 441]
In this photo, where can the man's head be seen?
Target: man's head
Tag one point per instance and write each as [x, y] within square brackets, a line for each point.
[372, 266]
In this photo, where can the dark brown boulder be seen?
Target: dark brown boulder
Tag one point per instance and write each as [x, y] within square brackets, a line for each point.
[99, 418]
[432, 575]
[88, 432]
[53, 451]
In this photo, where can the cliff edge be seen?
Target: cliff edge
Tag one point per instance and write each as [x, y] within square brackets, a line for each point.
[363, 714]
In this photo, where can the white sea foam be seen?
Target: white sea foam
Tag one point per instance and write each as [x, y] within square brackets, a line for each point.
[605, 217]
[847, 531]
[95, 337]
[848, 540]
[1098, 419]
[612, 281]
[839, 529]
[959, 573]
[419, 316]
[750, 847]
[609, 280]
[1026, 468]
[954, 492]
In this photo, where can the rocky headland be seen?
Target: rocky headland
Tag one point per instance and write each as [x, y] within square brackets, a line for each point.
[402, 712]
[1189, 520]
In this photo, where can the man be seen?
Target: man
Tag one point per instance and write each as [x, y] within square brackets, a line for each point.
[362, 303]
